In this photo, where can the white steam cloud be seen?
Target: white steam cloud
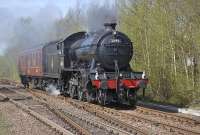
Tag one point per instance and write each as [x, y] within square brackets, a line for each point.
[52, 90]
[37, 28]
[32, 24]
[98, 14]
[26, 29]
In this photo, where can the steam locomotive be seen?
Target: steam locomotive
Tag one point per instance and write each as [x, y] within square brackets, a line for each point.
[89, 66]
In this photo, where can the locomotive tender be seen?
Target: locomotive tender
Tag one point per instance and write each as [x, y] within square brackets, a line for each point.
[88, 66]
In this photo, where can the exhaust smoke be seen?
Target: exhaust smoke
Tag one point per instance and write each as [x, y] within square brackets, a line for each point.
[52, 90]
[98, 14]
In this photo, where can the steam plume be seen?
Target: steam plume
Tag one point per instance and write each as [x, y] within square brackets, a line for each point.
[52, 90]
[98, 14]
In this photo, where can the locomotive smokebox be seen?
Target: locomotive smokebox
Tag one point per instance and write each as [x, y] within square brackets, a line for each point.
[110, 26]
[107, 47]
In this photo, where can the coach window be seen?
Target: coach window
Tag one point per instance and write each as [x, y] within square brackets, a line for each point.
[40, 58]
[31, 59]
[34, 58]
[37, 58]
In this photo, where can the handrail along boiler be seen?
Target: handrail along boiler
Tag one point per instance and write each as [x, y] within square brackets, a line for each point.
[89, 66]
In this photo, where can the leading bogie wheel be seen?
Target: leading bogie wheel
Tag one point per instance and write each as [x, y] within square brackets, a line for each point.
[73, 91]
[133, 99]
[101, 97]
[80, 95]
[88, 97]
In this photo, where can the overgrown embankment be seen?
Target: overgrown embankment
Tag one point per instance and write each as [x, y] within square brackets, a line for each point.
[166, 41]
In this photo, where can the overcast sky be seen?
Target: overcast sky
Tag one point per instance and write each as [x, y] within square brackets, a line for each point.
[12, 9]
[27, 7]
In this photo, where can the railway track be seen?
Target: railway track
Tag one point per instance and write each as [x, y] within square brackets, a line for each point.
[155, 114]
[104, 112]
[165, 122]
[139, 121]
[38, 116]
[109, 124]
[39, 110]
[78, 118]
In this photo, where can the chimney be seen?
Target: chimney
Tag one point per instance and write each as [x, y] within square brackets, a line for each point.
[110, 26]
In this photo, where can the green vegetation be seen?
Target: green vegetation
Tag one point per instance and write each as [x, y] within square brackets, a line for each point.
[8, 69]
[166, 39]
[3, 126]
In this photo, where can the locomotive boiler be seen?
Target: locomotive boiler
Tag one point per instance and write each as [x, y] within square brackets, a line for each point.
[89, 66]
[107, 47]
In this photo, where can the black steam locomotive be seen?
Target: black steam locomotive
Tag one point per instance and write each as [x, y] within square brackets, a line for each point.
[89, 66]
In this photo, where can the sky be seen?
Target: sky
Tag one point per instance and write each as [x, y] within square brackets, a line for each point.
[10, 10]
[13, 9]
[27, 7]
